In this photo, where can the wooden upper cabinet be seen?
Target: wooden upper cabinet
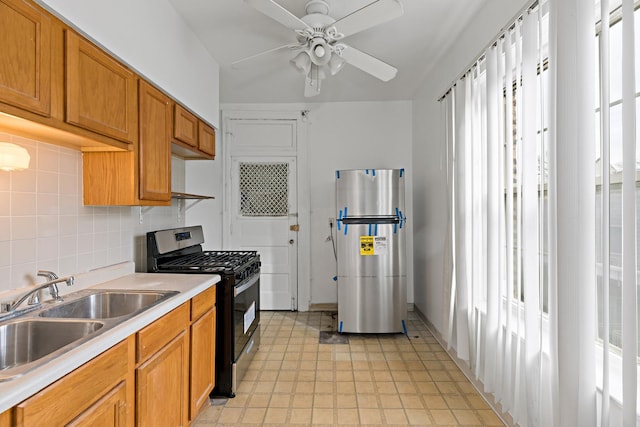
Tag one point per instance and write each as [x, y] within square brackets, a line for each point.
[154, 152]
[185, 126]
[101, 92]
[207, 139]
[25, 58]
[194, 137]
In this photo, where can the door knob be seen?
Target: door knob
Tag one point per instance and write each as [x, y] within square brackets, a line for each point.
[291, 241]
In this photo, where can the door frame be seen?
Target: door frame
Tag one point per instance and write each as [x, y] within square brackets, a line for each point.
[299, 114]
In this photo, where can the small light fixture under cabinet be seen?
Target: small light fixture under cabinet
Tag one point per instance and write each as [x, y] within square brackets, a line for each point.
[13, 157]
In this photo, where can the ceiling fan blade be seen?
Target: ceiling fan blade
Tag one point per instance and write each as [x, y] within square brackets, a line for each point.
[278, 13]
[311, 87]
[292, 46]
[368, 63]
[369, 16]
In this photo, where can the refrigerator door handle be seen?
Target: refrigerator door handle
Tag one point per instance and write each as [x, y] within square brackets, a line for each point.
[387, 220]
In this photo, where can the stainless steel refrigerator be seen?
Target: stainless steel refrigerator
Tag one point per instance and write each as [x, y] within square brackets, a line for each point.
[372, 280]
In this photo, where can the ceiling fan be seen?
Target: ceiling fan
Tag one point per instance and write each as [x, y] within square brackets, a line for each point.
[321, 51]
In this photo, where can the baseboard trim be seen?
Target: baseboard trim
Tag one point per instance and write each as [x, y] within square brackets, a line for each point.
[328, 306]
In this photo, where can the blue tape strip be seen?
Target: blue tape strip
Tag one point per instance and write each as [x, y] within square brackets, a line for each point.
[346, 227]
[335, 278]
[395, 228]
[404, 327]
[401, 219]
[375, 230]
[366, 171]
[401, 172]
[370, 226]
[373, 172]
[345, 211]
[339, 219]
[338, 175]
[340, 328]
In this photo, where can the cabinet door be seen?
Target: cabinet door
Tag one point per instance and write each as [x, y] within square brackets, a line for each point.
[5, 419]
[109, 411]
[162, 389]
[185, 126]
[203, 347]
[154, 153]
[207, 139]
[81, 389]
[25, 62]
[101, 92]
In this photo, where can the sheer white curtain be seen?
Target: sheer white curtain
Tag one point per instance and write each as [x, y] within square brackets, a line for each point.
[526, 313]
[497, 204]
[617, 193]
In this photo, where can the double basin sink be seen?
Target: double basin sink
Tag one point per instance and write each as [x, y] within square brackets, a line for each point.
[38, 336]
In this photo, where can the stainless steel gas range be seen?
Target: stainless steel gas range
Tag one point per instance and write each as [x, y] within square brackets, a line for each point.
[179, 250]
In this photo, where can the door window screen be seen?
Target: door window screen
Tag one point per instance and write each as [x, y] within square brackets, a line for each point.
[264, 189]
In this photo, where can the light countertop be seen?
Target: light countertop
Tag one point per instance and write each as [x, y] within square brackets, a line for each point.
[18, 389]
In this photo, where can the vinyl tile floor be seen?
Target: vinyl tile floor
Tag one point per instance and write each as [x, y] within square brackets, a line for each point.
[369, 379]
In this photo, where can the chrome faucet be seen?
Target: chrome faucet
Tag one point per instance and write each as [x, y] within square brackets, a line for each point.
[32, 295]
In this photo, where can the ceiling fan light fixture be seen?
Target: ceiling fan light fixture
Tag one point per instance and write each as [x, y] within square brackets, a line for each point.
[320, 51]
[335, 64]
[318, 72]
[302, 62]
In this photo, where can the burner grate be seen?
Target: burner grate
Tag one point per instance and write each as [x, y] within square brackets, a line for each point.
[212, 259]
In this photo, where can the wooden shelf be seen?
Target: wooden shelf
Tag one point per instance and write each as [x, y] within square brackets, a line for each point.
[187, 196]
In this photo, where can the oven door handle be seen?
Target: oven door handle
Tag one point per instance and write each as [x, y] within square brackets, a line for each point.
[240, 289]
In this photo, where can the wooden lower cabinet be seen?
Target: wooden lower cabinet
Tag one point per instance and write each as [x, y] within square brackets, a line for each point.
[162, 384]
[160, 376]
[78, 393]
[203, 348]
[110, 410]
[5, 419]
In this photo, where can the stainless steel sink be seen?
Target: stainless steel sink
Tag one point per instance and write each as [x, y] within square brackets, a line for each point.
[107, 304]
[24, 342]
[32, 338]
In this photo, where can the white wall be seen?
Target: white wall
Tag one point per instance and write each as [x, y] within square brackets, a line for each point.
[152, 38]
[204, 177]
[356, 135]
[348, 135]
[428, 146]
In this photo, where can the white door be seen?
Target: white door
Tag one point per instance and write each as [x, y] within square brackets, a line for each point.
[263, 207]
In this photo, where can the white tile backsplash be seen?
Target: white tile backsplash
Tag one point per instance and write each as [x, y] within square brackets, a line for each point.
[47, 182]
[5, 228]
[24, 227]
[43, 224]
[23, 203]
[26, 181]
[48, 204]
[5, 202]
[23, 251]
[5, 255]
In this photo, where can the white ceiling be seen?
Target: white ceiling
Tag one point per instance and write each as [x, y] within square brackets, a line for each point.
[232, 30]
